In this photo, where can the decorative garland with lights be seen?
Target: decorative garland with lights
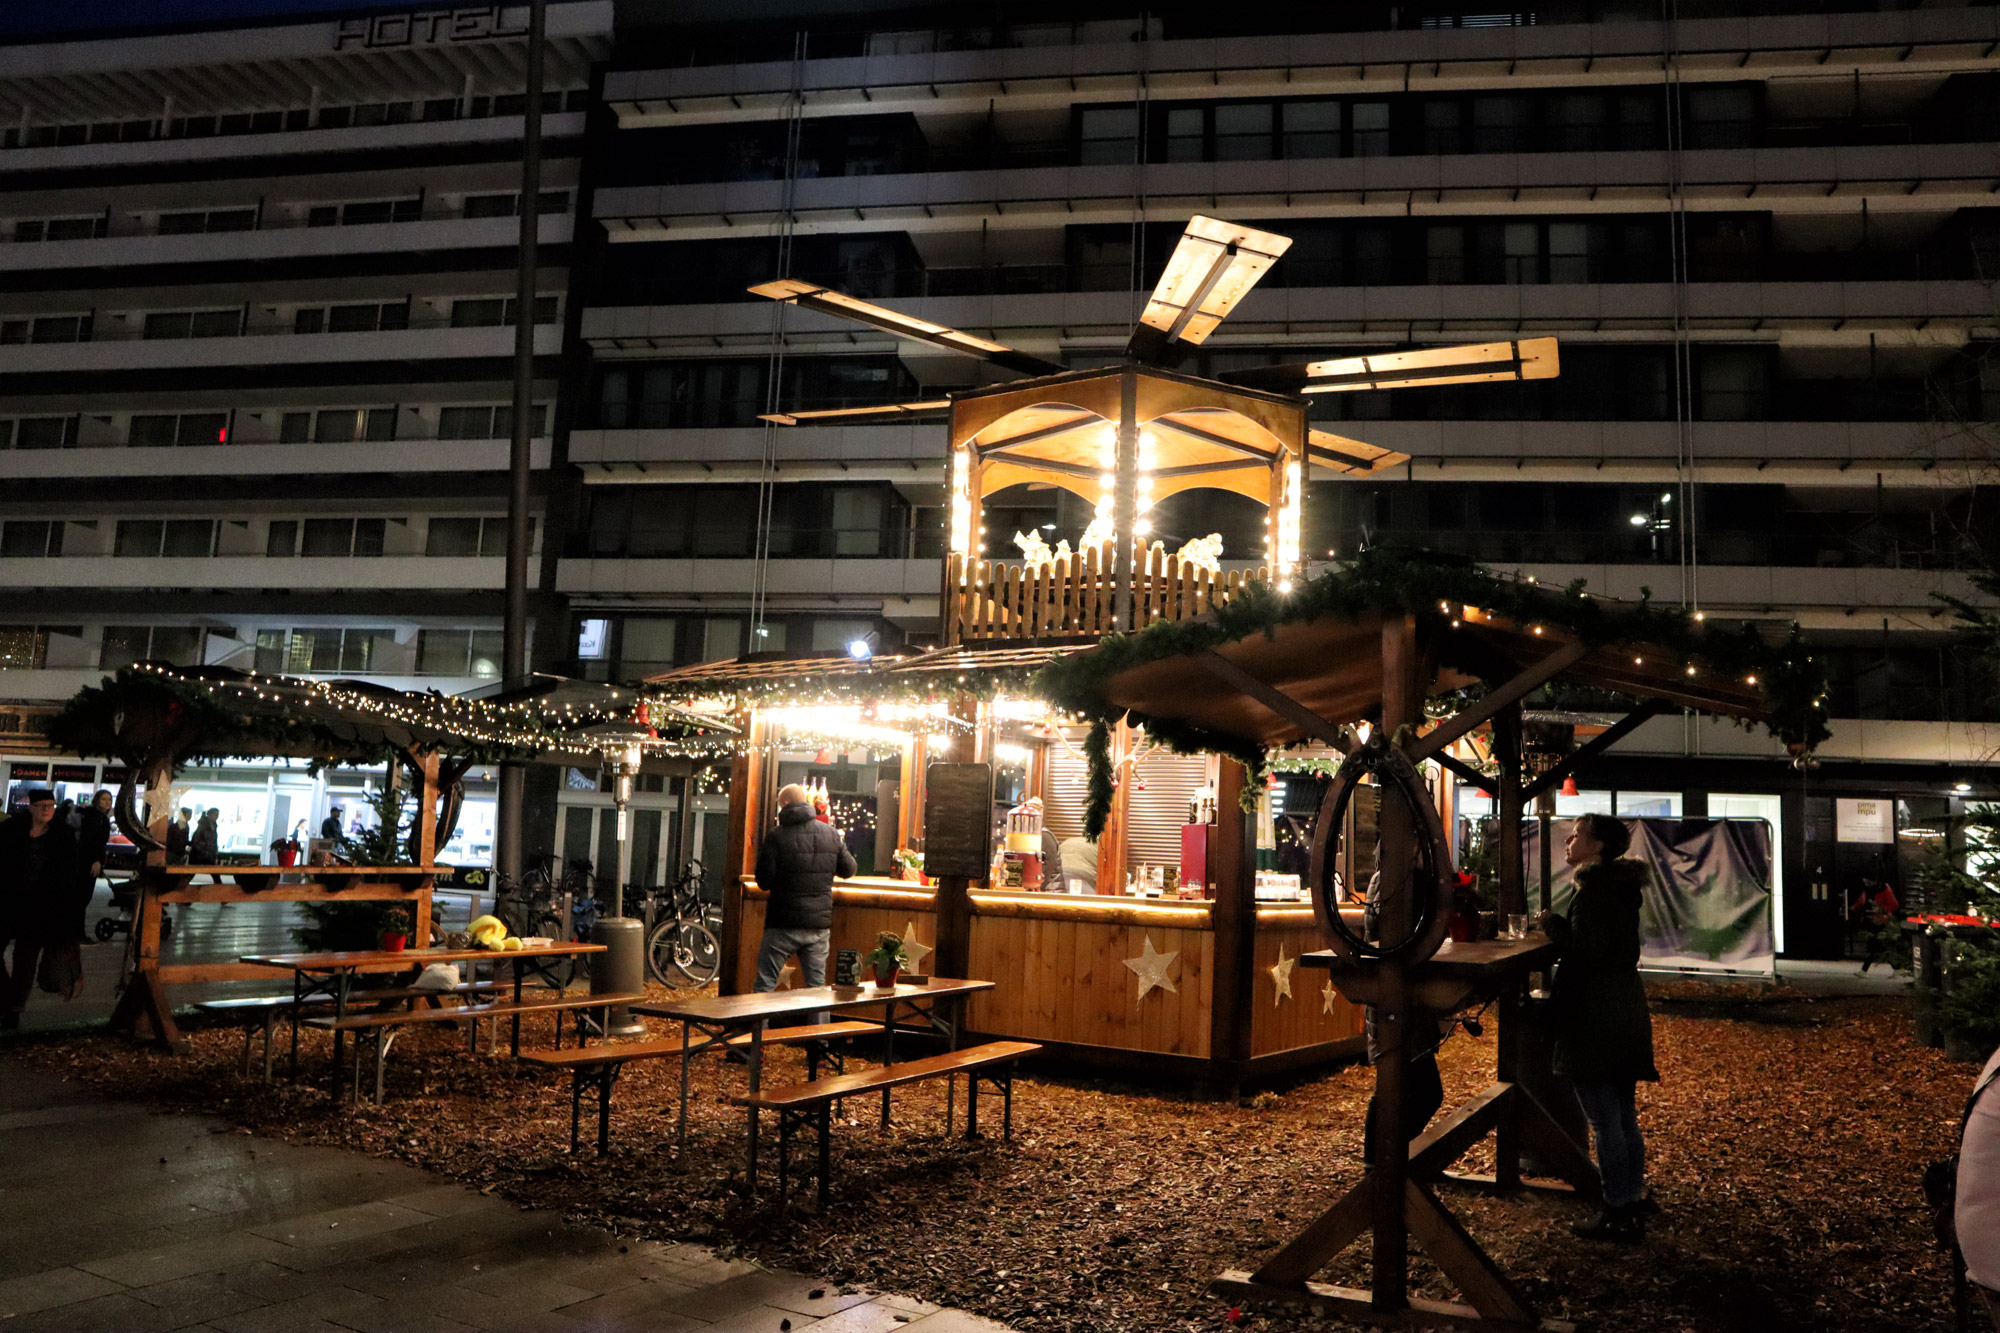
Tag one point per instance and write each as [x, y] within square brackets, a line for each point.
[1791, 683]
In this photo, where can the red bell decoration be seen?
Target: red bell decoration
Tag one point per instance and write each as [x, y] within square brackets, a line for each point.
[1569, 787]
[824, 755]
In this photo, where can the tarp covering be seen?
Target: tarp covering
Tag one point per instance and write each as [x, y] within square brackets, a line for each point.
[1708, 897]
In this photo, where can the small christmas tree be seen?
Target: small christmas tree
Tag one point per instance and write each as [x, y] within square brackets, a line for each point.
[335, 925]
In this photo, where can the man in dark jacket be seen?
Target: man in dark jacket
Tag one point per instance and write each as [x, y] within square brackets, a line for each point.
[92, 838]
[38, 874]
[796, 864]
[1604, 1034]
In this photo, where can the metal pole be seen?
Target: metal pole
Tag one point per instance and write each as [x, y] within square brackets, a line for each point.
[514, 648]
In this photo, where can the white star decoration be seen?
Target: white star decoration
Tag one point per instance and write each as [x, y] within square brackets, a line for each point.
[1327, 995]
[1281, 976]
[914, 951]
[1151, 968]
[786, 973]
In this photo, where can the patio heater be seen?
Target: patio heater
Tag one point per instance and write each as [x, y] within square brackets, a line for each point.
[623, 962]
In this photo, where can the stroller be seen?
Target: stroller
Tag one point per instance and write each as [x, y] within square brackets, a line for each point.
[125, 901]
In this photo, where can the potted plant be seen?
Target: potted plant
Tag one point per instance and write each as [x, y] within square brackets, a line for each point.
[887, 958]
[910, 865]
[395, 929]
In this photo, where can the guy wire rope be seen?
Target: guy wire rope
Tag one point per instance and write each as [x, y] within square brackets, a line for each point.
[760, 570]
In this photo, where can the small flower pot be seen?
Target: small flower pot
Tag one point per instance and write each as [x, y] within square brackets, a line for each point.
[395, 943]
[886, 979]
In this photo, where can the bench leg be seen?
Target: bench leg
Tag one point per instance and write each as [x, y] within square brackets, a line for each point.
[825, 1152]
[606, 1078]
[683, 1132]
[1007, 1102]
[575, 1106]
[972, 1104]
[784, 1154]
[384, 1039]
[249, 1033]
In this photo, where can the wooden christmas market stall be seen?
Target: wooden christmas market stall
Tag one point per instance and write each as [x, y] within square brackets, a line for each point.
[154, 718]
[1390, 662]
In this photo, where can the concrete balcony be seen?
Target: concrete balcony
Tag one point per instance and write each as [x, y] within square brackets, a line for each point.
[913, 454]
[855, 578]
[375, 573]
[1841, 314]
[226, 460]
[275, 349]
[1540, 55]
[279, 243]
[1875, 739]
[1909, 177]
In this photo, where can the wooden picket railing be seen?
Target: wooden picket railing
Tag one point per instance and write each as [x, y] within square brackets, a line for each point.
[1072, 596]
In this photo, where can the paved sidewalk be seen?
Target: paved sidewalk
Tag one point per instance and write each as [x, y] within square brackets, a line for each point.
[116, 1217]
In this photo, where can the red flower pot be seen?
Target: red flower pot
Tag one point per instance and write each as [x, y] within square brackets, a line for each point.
[395, 943]
[886, 979]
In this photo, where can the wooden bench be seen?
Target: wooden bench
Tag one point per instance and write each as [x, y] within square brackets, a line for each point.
[810, 1104]
[599, 1066]
[263, 1010]
[382, 1028]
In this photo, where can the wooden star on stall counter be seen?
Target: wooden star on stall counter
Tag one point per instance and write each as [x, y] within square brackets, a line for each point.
[914, 951]
[786, 973]
[1151, 968]
[1281, 977]
[1327, 995]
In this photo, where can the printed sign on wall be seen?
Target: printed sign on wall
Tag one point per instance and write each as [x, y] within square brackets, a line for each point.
[1864, 821]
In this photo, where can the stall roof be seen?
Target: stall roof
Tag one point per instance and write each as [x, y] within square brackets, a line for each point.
[761, 673]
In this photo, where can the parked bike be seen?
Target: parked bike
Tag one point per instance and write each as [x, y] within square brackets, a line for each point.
[683, 940]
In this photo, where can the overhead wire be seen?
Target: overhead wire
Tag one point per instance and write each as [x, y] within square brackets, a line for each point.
[787, 224]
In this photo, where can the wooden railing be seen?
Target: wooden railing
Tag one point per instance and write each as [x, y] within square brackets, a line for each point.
[1072, 596]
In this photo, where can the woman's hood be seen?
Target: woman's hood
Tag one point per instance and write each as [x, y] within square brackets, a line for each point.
[1622, 875]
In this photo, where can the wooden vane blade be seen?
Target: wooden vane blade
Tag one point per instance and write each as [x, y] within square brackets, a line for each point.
[1353, 457]
[1211, 269]
[860, 416]
[830, 302]
[1472, 363]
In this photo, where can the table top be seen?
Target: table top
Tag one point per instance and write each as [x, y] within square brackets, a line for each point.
[1469, 960]
[334, 962]
[811, 1000]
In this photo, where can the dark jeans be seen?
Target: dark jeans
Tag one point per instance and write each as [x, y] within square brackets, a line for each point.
[1621, 1151]
[17, 976]
[1423, 1093]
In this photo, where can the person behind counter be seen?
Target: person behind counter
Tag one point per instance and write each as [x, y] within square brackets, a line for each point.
[797, 863]
[1078, 856]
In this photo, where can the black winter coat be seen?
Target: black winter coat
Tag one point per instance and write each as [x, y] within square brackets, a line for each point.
[796, 864]
[1603, 1032]
[38, 883]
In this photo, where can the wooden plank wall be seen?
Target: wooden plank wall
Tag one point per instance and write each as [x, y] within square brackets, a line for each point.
[993, 599]
[1286, 1024]
[1067, 981]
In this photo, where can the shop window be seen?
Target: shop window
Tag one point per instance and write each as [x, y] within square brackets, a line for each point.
[32, 537]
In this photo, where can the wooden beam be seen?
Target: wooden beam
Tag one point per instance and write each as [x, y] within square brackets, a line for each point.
[1211, 437]
[1467, 772]
[1507, 750]
[1356, 1306]
[1294, 712]
[1449, 1139]
[1463, 721]
[1325, 1236]
[1233, 870]
[1468, 1266]
[1597, 745]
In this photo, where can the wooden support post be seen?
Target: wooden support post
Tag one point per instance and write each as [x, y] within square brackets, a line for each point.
[745, 826]
[1402, 706]
[142, 1010]
[430, 800]
[954, 892]
[1507, 751]
[1233, 868]
[1125, 504]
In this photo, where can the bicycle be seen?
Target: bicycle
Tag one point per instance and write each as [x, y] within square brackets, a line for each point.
[683, 949]
[537, 905]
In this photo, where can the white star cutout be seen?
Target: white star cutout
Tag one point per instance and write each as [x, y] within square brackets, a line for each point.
[1281, 976]
[786, 973]
[914, 951]
[1151, 968]
[1327, 995]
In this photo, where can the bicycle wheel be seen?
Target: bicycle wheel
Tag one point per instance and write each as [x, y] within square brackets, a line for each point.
[684, 954]
[558, 972]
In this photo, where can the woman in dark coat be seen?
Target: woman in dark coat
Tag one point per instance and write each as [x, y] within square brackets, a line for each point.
[1604, 1035]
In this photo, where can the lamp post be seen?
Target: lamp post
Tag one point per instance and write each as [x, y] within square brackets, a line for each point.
[624, 962]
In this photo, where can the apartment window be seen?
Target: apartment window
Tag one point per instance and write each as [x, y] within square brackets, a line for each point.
[1370, 128]
[177, 537]
[486, 312]
[39, 432]
[363, 317]
[648, 642]
[509, 205]
[338, 425]
[364, 213]
[60, 229]
[282, 539]
[1444, 254]
[23, 648]
[470, 536]
[194, 323]
[31, 537]
[46, 329]
[1312, 129]
[1731, 383]
[218, 219]
[459, 652]
[486, 423]
[1108, 136]
[1243, 132]
[164, 430]
[1501, 124]
[176, 645]
[342, 537]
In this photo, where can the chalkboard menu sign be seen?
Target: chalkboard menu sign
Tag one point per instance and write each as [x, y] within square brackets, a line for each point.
[958, 820]
[847, 968]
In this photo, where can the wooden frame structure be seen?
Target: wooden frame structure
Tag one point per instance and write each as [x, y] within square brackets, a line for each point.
[1311, 679]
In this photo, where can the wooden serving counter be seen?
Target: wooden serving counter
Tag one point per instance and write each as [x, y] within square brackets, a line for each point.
[1060, 964]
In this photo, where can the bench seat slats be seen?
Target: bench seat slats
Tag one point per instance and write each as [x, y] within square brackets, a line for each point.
[887, 1076]
[499, 1009]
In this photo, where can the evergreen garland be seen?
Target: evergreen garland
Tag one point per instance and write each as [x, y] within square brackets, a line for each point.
[1791, 683]
[1097, 750]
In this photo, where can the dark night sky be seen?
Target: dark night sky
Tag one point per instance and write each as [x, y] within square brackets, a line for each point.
[87, 18]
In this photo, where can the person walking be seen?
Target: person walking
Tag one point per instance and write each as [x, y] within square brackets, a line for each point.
[205, 845]
[330, 827]
[797, 863]
[93, 836]
[178, 834]
[38, 872]
[1603, 1032]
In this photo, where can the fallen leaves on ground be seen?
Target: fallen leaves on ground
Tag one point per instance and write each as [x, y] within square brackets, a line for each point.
[1785, 1146]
